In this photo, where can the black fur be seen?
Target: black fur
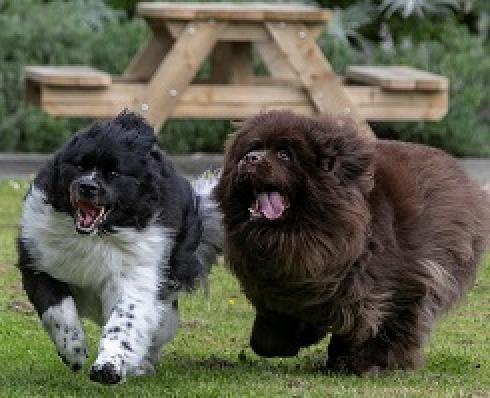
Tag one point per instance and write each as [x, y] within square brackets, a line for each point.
[146, 184]
[136, 222]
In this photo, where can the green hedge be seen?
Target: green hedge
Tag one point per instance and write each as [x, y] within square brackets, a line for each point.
[90, 32]
[33, 32]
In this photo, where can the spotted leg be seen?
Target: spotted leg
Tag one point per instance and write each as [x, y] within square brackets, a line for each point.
[132, 312]
[56, 308]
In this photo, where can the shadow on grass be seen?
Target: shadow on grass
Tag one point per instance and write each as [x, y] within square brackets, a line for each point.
[450, 363]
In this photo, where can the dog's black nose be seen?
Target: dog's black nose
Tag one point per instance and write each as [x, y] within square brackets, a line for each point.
[88, 188]
[254, 157]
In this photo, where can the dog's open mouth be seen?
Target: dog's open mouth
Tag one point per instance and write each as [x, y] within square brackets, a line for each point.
[88, 216]
[268, 205]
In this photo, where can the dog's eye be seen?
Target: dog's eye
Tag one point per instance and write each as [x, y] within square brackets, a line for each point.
[328, 163]
[284, 155]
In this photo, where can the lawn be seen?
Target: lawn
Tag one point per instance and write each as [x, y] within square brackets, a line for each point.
[210, 357]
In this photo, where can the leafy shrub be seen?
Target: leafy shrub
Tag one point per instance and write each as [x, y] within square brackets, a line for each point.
[58, 32]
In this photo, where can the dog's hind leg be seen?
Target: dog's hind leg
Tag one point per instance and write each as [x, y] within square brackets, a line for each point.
[167, 327]
[397, 345]
[56, 308]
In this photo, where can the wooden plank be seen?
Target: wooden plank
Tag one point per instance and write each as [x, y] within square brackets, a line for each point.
[275, 60]
[178, 69]
[233, 32]
[281, 81]
[361, 95]
[242, 94]
[396, 77]
[380, 76]
[424, 80]
[128, 93]
[233, 11]
[235, 111]
[149, 56]
[320, 81]
[237, 101]
[374, 103]
[70, 75]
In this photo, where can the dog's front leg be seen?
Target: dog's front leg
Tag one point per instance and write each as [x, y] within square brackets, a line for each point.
[54, 303]
[132, 313]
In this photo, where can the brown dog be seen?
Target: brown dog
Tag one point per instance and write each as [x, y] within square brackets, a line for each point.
[327, 231]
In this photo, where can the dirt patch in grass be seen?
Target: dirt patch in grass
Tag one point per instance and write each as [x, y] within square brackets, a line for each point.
[214, 362]
[21, 306]
[193, 323]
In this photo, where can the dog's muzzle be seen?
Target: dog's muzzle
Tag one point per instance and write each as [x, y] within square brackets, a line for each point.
[88, 207]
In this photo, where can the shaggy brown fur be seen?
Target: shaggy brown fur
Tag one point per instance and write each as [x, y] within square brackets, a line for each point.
[328, 232]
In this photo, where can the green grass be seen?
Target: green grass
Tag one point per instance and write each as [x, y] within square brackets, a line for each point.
[210, 358]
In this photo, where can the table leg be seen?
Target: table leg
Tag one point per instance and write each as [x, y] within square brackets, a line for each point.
[275, 60]
[177, 70]
[220, 63]
[149, 56]
[320, 81]
[232, 62]
[242, 69]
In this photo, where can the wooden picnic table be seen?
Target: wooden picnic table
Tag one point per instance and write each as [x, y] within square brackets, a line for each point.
[161, 81]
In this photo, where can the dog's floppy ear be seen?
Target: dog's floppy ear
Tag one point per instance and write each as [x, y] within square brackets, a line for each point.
[345, 153]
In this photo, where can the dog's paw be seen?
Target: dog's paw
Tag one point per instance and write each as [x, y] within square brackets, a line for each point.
[66, 332]
[74, 361]
[72, 347]
[108, 372]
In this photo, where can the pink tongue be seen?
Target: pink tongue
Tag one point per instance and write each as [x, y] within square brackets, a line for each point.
[87, 219]
[87, 215]
[271, 205]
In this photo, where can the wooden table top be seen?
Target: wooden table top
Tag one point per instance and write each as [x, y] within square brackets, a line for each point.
[233, 12]
[68, 75]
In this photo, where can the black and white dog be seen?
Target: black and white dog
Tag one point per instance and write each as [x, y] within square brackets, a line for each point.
[111, 232]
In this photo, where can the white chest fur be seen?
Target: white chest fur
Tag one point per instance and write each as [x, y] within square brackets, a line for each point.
[90, 260]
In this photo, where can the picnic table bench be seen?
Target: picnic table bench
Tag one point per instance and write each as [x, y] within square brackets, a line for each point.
[161, 81]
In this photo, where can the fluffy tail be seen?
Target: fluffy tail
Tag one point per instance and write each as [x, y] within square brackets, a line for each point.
[213, 235]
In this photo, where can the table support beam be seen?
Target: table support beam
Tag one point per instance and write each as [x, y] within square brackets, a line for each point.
[178, 69]
[318, 78]
[146, 61]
